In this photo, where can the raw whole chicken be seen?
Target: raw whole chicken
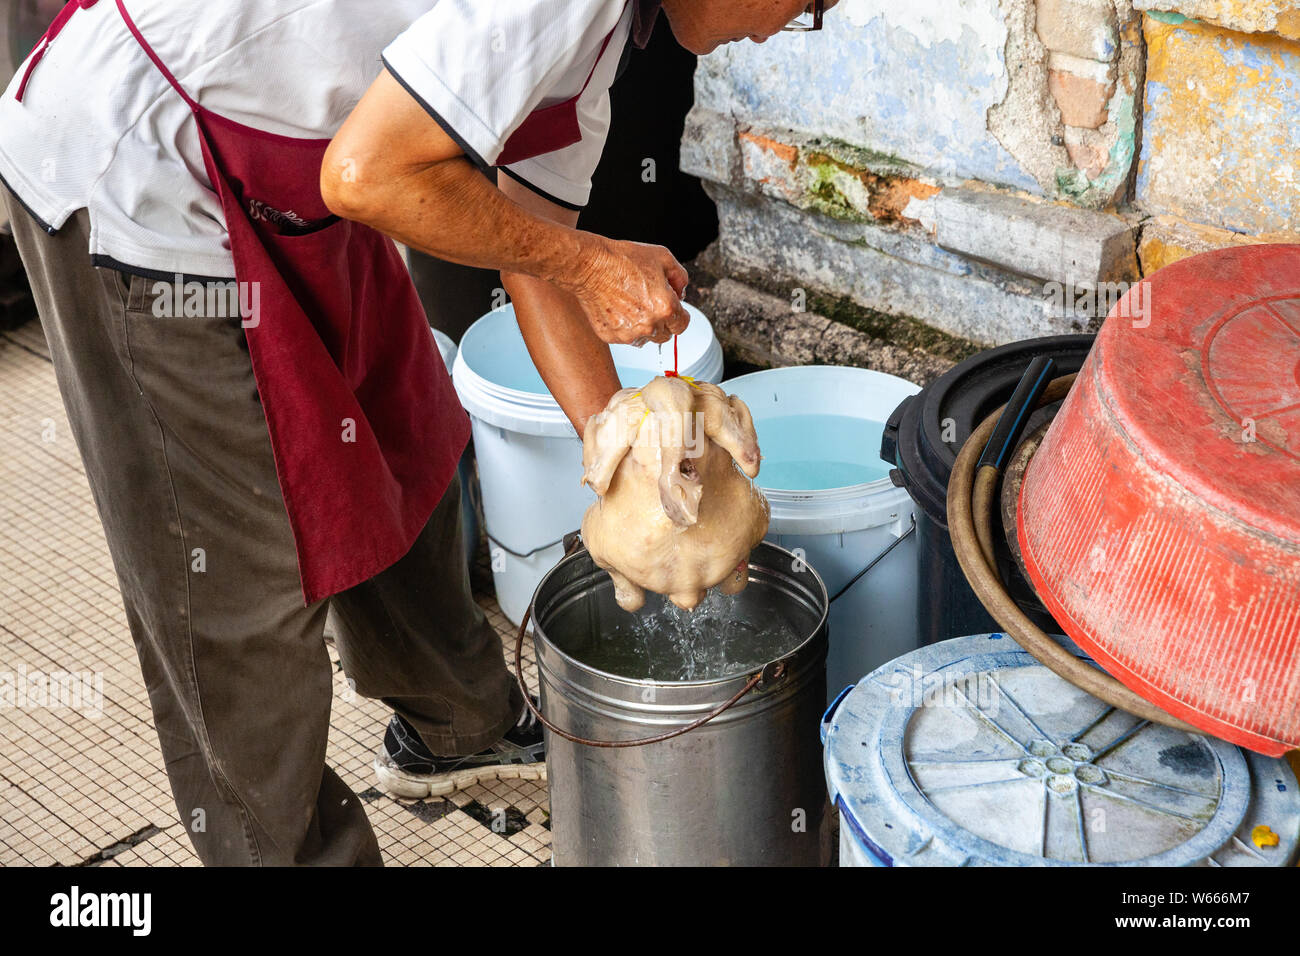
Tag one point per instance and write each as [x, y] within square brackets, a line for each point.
[673, 464]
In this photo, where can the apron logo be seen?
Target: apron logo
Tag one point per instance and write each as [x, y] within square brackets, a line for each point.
[208, 300]
[288, 222]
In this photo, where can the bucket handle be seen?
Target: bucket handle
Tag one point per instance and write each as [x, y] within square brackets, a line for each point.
[874, 561]
[522, 556]
[772, 671]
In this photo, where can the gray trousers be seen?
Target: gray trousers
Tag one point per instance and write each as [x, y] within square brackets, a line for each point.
[168, 421]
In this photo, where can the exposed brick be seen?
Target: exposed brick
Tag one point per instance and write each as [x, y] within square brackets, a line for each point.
[1090, 159]
[1082, 100]
[883, 197]
[894, 194]
[783, 151]
[769, 164]
[1084, 28]
[1103, 73]
[1087, 151]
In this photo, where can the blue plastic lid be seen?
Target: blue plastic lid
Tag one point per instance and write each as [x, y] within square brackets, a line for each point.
[970, 752]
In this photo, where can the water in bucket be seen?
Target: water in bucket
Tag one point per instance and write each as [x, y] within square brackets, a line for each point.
[723, 636]
[796, 456]
[514, 368]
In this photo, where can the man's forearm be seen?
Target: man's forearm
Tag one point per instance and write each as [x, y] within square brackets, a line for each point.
[451, 211]
[475, 224]
[574, 363]
[571, 358]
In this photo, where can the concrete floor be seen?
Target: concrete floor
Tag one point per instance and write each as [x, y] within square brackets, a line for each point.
[87, 788]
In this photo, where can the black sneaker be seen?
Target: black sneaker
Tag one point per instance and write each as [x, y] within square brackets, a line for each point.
[405, 767]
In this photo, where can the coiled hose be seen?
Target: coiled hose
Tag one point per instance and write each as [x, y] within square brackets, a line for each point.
[972, 500]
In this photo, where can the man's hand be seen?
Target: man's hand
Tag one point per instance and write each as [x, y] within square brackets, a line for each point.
[632, 293]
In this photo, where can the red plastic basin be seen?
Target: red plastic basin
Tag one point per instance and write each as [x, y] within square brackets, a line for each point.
[1160, 519]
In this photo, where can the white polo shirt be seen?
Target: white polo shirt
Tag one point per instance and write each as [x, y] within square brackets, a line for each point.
[510, 59]
[100, 128]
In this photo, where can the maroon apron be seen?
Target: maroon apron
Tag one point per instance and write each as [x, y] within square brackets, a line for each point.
[365, 427]
[550, 128]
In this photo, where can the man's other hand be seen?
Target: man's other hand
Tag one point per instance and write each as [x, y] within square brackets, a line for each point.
[632, 292]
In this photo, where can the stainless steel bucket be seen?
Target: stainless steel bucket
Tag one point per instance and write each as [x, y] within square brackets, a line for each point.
[744, 789]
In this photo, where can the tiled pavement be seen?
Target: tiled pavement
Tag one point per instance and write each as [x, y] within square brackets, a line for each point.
[87, 788]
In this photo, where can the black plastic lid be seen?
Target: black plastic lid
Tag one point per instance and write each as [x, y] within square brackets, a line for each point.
[914, 437]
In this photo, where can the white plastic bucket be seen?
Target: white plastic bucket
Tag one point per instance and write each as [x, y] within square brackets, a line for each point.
[840, 529]
[529, 457]
[468, 483]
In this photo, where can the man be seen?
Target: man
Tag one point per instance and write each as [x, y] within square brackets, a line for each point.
[265, 426]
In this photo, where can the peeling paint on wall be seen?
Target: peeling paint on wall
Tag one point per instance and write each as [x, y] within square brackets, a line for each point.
[1167, 239]
[920, 154]
[913, 79]
[1221, 145]
[959, 88]
[931, 23]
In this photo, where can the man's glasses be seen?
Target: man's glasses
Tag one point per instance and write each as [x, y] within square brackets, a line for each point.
[810, 19]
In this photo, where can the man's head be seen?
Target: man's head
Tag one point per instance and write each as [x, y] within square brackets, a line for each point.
[703, 25]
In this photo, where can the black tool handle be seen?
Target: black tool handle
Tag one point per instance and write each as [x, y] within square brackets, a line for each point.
[1011, 425]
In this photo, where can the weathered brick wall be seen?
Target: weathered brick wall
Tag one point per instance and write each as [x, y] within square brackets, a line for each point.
[950, 162]
[963, 163]
[1093, 76]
